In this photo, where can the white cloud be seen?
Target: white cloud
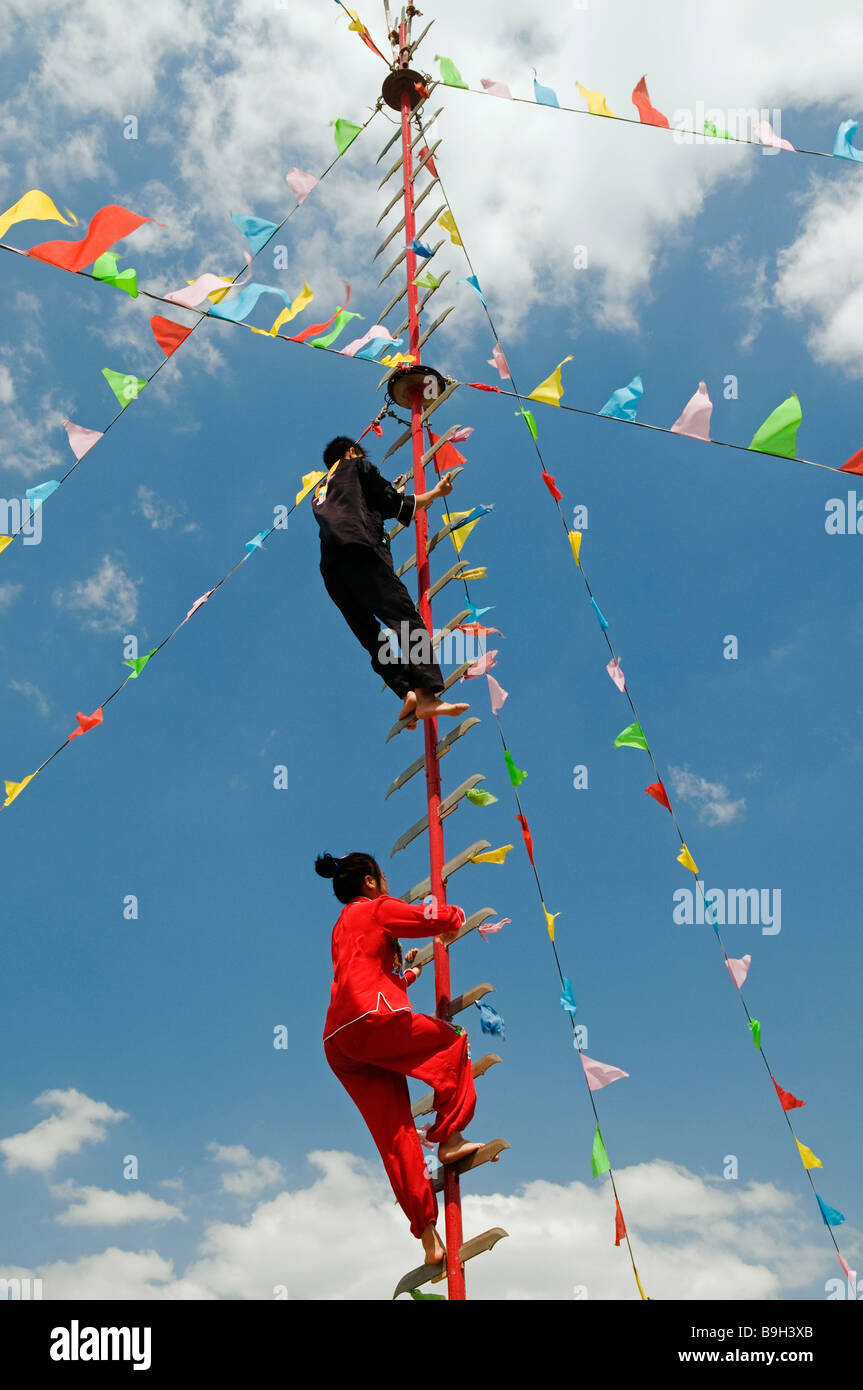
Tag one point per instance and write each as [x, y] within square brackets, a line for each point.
[107, 601]
[78, 1120]
[7, 386]
[754, 295]
[160, 514]
[29, 436]
[251, 1175]
[97, 1206]
[29, 690]
[8, 594]
[715, 805]
[819, 278]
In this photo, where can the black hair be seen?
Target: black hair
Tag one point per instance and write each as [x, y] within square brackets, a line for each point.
[348, 873]
[337, 448]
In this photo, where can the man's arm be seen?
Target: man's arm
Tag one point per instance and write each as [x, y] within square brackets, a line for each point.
[442, 488]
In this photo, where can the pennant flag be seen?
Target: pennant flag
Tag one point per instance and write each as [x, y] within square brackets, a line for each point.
[850, 1274]
[447, 457]
[482, 666]
[490, 1021]
[528, 419]
[199, 602]
[599, 1158]
[526, 835]
[126, 388]
[105, 269]
[316, 328]
[778, 434]
[81, 440]
[480, 798]
[360, 28]
[447, 222]
[4, 541]
[345, 133]
[496, 89]
[478, 630]
[516, 776]
[449, 73]
[549, 920]
[476, 613]
[396, 360]
[341, 319]
[647, 114]
[490, 927]
[695, 418]
[738, 970]
[631, 737]
[417, 1294]
[300, 184]
[86, 722]
[786, 1100]
[599, 1074]
[371, 343]
[255, 229]
[831, 1216]
[257, 542]
[545, 96]
[854, 464]
[429, 162]
[34, 206]
[567, 999]
[168, 335]
[550, 391]
[548, 479]
[296, 306]
[459, 534]
[474, 284]
[460, 435]
[843, 146]
[108, 225]
[419, 248]
[807, 1157]
[237, 309]
[492, 856]
[496, 693]
[755, 1030]
[623, 403]
[575, 545]
[498, 360]
[478, 573]
[596, 103]
[764, 132]
[686, 859]
[138, 663]
[481, 386]
[309, 480]
[40, 493]
[658, 792]
[426, 281]
[619, 1224]
[14, 789]
[600, 617]
[195, 293]
[615, 670]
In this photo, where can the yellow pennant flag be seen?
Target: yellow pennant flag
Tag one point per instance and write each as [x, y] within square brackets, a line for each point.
[492, 856]
[575, 542]
[14, 789]
[309, 480]
[296, 306]
[550, 391]
[808, 1158]
[478, 573]
[638, 1282]
[549, 920]
[686, 859]
[35, 206]
[461, 533]
[215, 295]
[596, 103]
[447, 221]
[396, 359]
[4, 541]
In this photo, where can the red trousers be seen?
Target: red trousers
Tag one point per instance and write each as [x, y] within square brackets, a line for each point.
[372, 1058]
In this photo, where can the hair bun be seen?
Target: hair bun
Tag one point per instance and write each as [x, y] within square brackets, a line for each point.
[326, 865]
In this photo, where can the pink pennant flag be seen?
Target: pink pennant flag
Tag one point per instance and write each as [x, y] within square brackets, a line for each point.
[81, 440]
[300, 184]
[498, 360]
[86, 722]
[197, 604]
[695, 419]
[497, 694]
[739, 969]
[190, 296]
[599, 1074]
[481, 667]
[615, 671]
[496, 89]
[422, 1131]
[459, 435]
[850, 1274]
[490, 927]
[767, 135]
[377, 331]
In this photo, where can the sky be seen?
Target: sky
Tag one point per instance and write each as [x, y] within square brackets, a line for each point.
[152, 1037]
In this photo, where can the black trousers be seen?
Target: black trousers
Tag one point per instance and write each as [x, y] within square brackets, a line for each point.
[365, 588]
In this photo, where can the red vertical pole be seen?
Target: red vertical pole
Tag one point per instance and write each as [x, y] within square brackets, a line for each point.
[451, 1191]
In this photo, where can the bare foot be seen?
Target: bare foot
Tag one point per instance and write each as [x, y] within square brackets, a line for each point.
[433, 1246]
[431, 708]
[408, 709]
[456, 1147]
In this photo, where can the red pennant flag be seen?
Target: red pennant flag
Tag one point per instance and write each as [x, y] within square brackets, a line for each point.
[658, 792]
[422, 89]
[481, 386]
[367, 40]
[315, 328]
[619, 1224]
[87, 722]
[551, 485]
[168, 335]
[528, 838]
[647, 114]
[479, 629]
[429, 164]
[377, 429]
[108, 225]
[786, 1100]
[447, 456]
[854, 464]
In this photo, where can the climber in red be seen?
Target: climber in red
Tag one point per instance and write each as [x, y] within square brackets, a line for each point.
[373, 1040]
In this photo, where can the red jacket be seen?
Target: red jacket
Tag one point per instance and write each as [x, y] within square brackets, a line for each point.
[366, 957]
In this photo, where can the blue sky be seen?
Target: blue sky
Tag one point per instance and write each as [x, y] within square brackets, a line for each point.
[170, 1018]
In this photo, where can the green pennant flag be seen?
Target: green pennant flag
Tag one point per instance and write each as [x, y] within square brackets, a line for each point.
[755, 1028]
[427, 281]
[105, 268]
[346, 132]
[778, 434]
[344, 316]
[529, 421]
[480, 798]
[415, 1293]
[599, 1158]
[516, 776]
[138, 663]
[449, 73]
[631, 737]
[125, 387]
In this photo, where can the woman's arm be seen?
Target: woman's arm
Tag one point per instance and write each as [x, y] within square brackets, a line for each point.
[409, 919]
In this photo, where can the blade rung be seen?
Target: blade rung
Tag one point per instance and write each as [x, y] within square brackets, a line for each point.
[468, 999]
[425, 1104]
[422, 890]
[424, 1274]
[451, 574]
[403, 438]
[443, 747]
[475, 920]
[446, 808]
[451, 679]
[489, 1153]
[437, 323]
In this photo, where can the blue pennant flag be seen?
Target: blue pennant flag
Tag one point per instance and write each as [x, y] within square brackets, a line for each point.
[420, 248]
[257, 542]
[490, 1021]
[567, 999]
[39, 494]
[623, 403]
[546, 96]
[603, 621]
[255, 228]
[474, 284]
[842, 145]
[832, 1217]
